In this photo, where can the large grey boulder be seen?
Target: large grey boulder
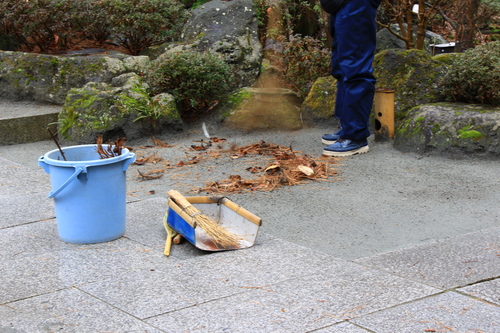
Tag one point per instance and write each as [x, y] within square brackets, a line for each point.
[48, 78]
[386, 40]
[228, 28]
[121, 108]
[451, 129]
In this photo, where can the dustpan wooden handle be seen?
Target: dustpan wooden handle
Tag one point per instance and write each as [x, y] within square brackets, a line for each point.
[168, 246]
[179, 199]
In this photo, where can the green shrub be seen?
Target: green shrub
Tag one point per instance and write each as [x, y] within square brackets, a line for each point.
[38, 24]
[93, 20]
[195, 79]
[304, 60]
[8, 42]
[139, 24]
[474, 76]
[46, 25]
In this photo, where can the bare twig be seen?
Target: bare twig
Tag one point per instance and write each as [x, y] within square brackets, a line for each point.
[57, 143]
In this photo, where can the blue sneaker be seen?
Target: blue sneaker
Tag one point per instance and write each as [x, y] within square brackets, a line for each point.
[329, 139]
[345, 147]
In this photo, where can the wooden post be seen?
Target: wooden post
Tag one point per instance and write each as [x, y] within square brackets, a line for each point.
[384, 113]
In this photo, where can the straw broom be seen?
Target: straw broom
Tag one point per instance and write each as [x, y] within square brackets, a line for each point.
[222, 237]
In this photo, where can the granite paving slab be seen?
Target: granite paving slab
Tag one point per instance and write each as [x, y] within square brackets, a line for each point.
[25, 209]
[340, 291]
[448, 263]
[447, 312]
[344, 327]
[487, 290]
[68, 310]
[182, 283]
[277, 285]
[27, 154]
[263, 264]
[163, 289]
[35, 261]
[31, 238]
[145, 222]
[16, 180]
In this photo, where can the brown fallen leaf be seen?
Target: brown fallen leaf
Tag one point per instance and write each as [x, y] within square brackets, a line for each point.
[254, 169]
[150, 175]
[272, 167]
[160, 143]
[306, 170]
[154, 158]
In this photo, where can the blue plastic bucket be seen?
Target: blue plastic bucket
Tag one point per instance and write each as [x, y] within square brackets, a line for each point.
[89, 193]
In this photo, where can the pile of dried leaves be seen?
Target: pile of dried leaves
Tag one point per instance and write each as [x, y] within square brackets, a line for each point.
[286, 168]
[282, 167]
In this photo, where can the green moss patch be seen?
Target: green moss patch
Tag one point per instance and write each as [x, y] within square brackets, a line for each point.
[413, 74]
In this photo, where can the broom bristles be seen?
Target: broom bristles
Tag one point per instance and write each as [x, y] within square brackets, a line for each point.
[221, 236]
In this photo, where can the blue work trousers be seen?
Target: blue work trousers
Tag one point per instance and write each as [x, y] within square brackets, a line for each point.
[353, 31]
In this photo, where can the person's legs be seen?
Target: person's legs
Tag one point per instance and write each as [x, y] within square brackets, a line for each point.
[335, 71]
[355, 30]
[354, 35]
[329, 139]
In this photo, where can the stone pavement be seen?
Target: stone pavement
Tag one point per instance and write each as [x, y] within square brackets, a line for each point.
[444, 284]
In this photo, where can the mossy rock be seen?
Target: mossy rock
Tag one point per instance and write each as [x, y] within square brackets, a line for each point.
[48, 78]
[446, 58]
[413, 74]
[320, 102]
[120, 109]
[451, 129]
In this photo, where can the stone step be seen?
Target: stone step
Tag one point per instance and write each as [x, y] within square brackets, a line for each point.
[25, 121]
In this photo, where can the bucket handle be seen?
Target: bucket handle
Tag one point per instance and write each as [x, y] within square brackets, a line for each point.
[78, 170]
[130, 159]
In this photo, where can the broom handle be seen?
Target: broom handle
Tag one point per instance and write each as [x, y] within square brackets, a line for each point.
[180, 199]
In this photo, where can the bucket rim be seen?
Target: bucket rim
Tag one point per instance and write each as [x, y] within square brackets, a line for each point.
[47, 159]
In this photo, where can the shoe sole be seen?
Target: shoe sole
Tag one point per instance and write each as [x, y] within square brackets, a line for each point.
[328, 142]
[361, 150]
